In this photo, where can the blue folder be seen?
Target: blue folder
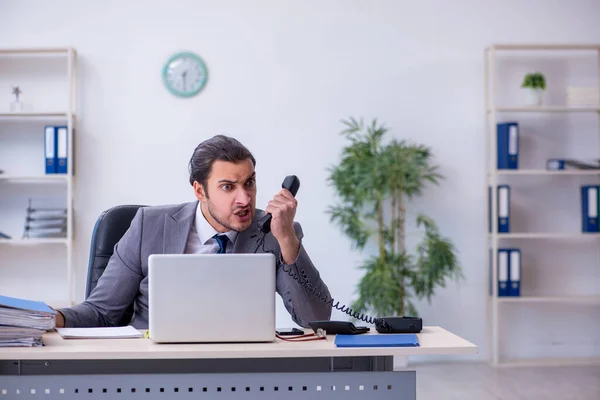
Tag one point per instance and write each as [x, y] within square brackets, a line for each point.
[61, 149]
[377, 340]
[503, 207]
[589, 208]
[50, 149]
[508, 145]
[27, 305]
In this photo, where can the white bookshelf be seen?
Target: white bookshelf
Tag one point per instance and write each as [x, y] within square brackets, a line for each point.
[50, 102]
[496, 111]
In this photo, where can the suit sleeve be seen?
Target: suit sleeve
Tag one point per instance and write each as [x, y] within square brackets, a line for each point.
[116, 288]
[306, 297]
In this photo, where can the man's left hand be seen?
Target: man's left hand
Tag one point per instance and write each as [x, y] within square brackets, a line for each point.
[283, 210]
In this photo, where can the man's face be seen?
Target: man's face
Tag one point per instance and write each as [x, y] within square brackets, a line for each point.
[229, 198]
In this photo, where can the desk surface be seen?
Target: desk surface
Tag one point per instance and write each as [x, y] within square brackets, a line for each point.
[433, 340]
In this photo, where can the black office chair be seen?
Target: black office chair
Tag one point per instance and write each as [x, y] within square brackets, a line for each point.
[108, 230]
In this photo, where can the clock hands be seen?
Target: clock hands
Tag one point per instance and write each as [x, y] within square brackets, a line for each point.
[183, 75]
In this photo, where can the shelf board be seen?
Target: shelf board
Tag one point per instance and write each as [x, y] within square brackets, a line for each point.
[59, 178]
[36, 51]
[35, 115]
[33, 241]
[548, 109]
[550, 362]
[526, 172]
[542, 46]
[547, 235]
[550, 299]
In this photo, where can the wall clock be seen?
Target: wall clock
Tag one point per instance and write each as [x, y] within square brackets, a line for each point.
[184, 74]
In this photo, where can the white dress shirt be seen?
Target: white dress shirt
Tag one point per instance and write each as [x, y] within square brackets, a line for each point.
[201, 240]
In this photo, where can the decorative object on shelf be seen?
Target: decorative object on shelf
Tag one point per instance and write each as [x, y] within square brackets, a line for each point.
[534, 85]
[17, 105]
[372, 177]
[583, 96]
[45, 222]
[184, 74]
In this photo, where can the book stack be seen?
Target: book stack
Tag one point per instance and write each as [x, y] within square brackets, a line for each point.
[24, 322]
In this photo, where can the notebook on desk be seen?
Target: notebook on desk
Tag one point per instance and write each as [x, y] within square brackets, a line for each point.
[379, 340]
[119, 332]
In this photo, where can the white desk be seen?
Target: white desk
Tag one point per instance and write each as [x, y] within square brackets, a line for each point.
[131, 368]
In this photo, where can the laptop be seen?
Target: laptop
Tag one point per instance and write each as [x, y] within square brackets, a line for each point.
[211, 298]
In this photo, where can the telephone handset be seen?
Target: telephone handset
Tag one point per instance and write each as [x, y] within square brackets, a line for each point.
[291, 183]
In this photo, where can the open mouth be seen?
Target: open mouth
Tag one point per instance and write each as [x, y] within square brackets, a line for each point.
[242, 213]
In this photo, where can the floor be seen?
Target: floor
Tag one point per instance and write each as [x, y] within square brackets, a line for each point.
[480, 381]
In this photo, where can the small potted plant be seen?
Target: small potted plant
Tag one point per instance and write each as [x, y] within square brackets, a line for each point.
[534, 84]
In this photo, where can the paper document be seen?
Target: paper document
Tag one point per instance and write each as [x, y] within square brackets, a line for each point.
[26, 313]
[120, 332]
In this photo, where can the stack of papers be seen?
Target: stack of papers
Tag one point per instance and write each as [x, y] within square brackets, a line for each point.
[23, 322]
[11, 336]
[121, 332]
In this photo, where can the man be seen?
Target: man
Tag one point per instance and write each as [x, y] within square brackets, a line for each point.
[224, 218]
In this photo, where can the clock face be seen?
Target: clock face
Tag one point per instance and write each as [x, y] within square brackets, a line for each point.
[184, 74]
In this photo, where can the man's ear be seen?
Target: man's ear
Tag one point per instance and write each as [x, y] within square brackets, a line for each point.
[199, 192]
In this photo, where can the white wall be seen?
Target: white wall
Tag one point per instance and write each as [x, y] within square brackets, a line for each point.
[281, 76]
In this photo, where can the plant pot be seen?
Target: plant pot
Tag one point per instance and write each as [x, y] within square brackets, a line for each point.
[533, 97]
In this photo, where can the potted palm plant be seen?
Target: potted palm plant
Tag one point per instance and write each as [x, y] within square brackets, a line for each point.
[373, 182]
[534, 84]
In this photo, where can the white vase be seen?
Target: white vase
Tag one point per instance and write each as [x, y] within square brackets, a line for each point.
[533, 97]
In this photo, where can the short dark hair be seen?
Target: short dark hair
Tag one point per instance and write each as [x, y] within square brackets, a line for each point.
[218, 147]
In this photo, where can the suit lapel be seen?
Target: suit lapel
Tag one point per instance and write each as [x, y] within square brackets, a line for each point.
[177, 228]
[248, 241]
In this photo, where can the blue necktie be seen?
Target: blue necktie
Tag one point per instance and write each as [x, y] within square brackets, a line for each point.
[222, 240]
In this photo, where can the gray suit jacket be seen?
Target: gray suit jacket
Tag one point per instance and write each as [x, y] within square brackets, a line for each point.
[165, 229]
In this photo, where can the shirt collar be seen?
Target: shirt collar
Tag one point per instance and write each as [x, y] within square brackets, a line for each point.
[206, 231]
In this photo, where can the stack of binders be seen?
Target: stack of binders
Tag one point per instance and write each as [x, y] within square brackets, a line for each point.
[23, 322]
[45, 222]
[56, 149]
[509, 272]
[589, 208]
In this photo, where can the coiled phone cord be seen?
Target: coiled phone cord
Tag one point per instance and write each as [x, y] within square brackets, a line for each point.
[303, 281]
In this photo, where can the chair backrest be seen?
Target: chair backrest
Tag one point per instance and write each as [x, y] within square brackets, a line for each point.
[108, 230]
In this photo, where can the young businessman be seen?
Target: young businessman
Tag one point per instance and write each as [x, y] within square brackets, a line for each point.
[222, 175]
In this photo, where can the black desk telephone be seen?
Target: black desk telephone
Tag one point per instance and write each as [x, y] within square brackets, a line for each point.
[382, 325]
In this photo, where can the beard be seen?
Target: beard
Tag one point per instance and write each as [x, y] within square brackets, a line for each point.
[224, 223]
